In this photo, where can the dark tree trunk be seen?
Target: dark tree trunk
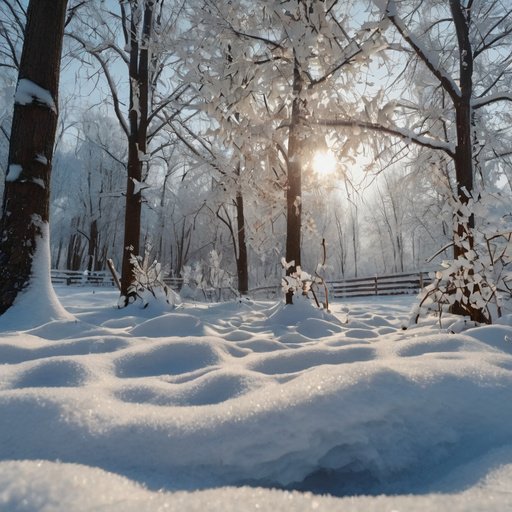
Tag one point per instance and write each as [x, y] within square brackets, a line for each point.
[93, 246]
[137, 145]
[294, 188]
[131, 243]
[74, 256]
[464, 152]
[463, 159]
[354, 225]
[242, 264]
[179, 255]
[59, 253]
[27, 187]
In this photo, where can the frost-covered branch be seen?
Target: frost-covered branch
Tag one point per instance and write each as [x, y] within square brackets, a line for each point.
[493, 98]
[72, 11]
[20, 23]
[194, 150]
[12, 55]
[245, 35]
[109, 153]
[487, 45]
[110, 80]
[173, 96]
[428, 58]
[396, 131]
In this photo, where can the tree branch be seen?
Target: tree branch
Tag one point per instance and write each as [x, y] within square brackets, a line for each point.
[395, 131]
[110, 81]
[435, 68]
[493, 98]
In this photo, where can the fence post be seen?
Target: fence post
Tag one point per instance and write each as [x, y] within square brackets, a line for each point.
[376, 285]
[112, 269]
[421, 281]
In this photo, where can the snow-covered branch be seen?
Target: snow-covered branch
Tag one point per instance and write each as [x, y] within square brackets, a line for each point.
[493, 98]
[396, 131]
[430, 60]
[489, 44]
[173, 96]
[108, 76]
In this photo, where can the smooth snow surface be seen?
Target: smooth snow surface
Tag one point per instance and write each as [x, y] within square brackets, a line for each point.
[214, 404]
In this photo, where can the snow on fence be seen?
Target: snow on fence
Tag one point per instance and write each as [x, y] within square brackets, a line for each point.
[98, 278]
[393, 284]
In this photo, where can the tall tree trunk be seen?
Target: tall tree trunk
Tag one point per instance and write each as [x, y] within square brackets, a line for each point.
[137, 145]
[131, 243]
[242, 264]
[27, 189]
[464, 236]
[294, 188]
[75, 251]
[354, 225]
[160, 256]
[59, 253]
[92, 251]
[342, 253]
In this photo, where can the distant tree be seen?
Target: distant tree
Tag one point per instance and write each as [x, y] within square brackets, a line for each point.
[134, 38]
[286, 59]
[87, 201]
[24, 222]
[228, 163]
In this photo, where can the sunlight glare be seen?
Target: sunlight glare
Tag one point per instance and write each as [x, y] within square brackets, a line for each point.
[324, 163]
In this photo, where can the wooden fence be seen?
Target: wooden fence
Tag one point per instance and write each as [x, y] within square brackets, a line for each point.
[393, 284]
[102, 278]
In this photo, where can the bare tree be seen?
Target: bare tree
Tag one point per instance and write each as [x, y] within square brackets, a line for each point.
[140, 49]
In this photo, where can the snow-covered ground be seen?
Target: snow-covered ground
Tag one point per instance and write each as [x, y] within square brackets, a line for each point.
[252, 406]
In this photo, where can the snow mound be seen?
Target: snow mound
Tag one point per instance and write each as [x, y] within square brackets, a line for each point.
[301, 311]
[37, 304]
[170, 324]
[173, 358]
[57, 487]
[216, 396]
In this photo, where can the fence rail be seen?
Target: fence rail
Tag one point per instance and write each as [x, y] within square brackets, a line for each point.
[394, 284]
[97, 278]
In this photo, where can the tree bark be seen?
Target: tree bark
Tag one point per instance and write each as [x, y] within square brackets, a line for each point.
[137, 145]
[27, 188]
[75, 250]
[92, 252]
[294, 188]
[242, 264]
[463, 159]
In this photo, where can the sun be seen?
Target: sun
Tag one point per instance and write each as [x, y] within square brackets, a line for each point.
[324, 163]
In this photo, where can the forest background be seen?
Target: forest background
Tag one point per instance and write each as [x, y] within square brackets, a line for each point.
[340, 117]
